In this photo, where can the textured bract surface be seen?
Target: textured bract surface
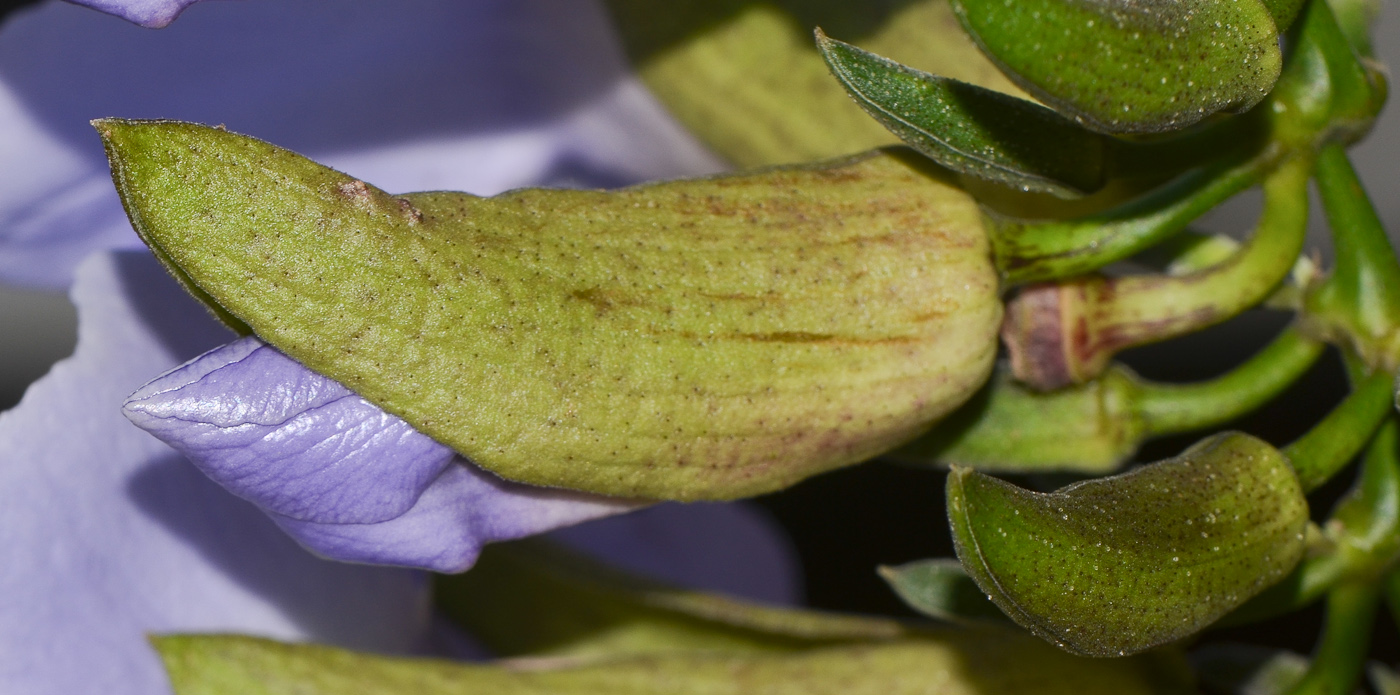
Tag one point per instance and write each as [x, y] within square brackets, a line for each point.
[1117, 565]
[1123, 66]
[948, 662]
[709, 338]
[745, 76]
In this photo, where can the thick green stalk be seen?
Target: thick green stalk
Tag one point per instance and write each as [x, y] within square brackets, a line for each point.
[1171, 408]
[1361, 300]
[1331, 443]
[1065, 333]
[1031, 251]
[1346, 638]
[1097, 426]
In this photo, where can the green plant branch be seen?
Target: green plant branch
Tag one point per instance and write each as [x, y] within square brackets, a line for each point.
[1359, 305]
[1346, 638]
[1033, 251]
[1334, 441]
[1065, 333]
[1173, 408]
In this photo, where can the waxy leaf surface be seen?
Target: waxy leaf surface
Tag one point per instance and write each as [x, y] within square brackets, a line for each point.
[1121, 66]
[971, 129]
[710, 338]
[971, 661]
[744, 76]
[1117, 565]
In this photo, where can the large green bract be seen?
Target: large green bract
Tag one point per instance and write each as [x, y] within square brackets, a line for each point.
[711, 338]
[1116, 565]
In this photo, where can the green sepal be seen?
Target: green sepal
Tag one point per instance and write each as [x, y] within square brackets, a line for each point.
[710, 338]
[1008, 427]
[1131, 68]
[971, 129]
[1116, 565]
[972, 660]
[745, 77]
[940, 588]
[538, 599]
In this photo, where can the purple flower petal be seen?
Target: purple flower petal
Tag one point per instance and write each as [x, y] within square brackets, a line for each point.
[349, 481]
[109, 535]
[152, 14]
[462, 510]
[288, 439]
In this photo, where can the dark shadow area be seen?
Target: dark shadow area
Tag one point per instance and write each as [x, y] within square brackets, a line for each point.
[36, 330]
[8, 7]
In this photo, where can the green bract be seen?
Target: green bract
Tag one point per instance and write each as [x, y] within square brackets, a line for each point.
[744, 76]
[1117, 565]
[969, 128]
[984, 661]
[711, 338]
[1121, 66]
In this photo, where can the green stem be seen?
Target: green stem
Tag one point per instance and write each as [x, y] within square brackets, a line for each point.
[1152, 305]
[1334, 441]
[1364, 290]
[1346, 639]
[1032, 251]
[1172, 408]
[1065, 333]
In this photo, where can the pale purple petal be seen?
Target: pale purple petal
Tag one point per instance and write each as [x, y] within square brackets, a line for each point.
[286, 438]
[109, 535]
[462, 510]
[152, 14]
[479, 96]
[346, 479]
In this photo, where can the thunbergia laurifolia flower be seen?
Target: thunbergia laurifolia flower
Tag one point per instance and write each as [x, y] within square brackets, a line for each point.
[111, 535]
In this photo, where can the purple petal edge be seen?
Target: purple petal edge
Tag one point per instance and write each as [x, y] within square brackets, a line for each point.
[286, 438]
[464, 509]
[344, 478]
[152, 14]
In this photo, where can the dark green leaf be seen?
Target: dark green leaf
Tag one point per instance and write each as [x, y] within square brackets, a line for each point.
[1130, 67]
[1117, 565]
[971, 129]
[940, 588]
